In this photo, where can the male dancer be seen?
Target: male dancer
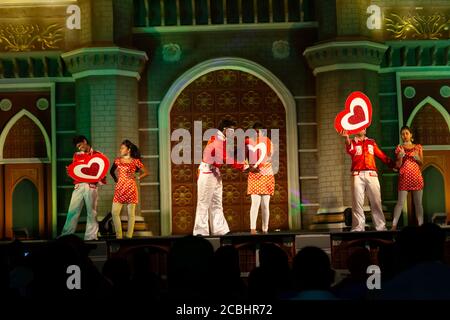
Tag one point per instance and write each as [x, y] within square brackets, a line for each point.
[209, 212]
[365, 179]
[83, 193]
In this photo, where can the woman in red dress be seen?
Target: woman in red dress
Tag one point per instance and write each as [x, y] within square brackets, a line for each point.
[127, 165]
[409, 160]
[261, 180]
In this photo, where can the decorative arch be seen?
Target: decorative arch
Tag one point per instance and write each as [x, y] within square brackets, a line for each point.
[435, 104]
[435, 165]
[190, 76]
[29, 178]
[10, 125]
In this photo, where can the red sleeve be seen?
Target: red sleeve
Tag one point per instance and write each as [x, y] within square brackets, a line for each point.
[350, 148]
[209, 153]
[138, 163]
[382, 156]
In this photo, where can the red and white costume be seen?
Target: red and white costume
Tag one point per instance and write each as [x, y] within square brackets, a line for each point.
[409, 179]
[125, 193]
[365, 179]
[83, 193]
[126, 188]
[209, 212]
[261, 184]
[409, 175]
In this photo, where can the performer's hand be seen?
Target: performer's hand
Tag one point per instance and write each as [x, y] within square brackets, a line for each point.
[67, 170]
[401, 154]
[253, 169]
[344, 134]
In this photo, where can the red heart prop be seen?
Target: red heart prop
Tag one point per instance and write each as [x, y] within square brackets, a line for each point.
[90, 169]
[259, 151]
[357, 114]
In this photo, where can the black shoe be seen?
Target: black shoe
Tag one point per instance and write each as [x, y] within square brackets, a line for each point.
[105, 226]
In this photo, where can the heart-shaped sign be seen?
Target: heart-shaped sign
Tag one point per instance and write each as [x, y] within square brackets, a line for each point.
[91, 169]
[256, 158]
[357, 114]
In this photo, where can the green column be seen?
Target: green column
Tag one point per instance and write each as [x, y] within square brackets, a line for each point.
[106, 81]
[341, 67]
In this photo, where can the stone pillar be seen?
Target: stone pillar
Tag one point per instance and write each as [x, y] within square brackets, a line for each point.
[340, 68]
[106, 100]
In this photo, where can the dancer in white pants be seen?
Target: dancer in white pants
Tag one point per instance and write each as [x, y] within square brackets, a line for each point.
[209, 217]
[365, 179]
[209, 214]
[83, 193]
[409, 160]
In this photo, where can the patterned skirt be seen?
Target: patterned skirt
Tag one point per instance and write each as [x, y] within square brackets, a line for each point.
[262, 182]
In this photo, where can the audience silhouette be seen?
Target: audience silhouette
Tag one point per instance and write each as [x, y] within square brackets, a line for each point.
[413, 267]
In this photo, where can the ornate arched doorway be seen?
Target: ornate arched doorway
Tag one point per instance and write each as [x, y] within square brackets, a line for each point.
[430, 123]
[244, 91]
[240, 96]
[434, 195]
[25, 177]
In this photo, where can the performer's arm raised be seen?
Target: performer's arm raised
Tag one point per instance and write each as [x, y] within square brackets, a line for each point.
[418, 155]
[348, 143]
[399, 153]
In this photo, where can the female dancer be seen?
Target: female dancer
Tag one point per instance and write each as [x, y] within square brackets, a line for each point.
[409, 160]
[125, 192]
[261, 181]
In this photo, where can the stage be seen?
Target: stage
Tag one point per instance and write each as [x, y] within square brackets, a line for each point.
[337, 245]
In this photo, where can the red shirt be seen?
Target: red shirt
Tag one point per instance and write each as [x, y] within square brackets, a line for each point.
[363, 153]
[268, 155]
[216, 152]
[82, 157]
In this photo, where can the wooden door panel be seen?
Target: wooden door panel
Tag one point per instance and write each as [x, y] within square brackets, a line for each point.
[236, 95]
[441, 160]
[38, 174]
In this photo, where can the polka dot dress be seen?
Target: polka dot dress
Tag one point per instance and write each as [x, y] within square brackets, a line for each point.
[126, 188]
[262, 182]
[410, 176]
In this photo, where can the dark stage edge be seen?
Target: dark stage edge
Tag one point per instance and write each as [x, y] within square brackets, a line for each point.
[343, 234]
[337, 244]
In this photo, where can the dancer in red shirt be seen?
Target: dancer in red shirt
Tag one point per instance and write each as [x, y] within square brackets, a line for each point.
[409, 160]
[365, 179]
[127, 165]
